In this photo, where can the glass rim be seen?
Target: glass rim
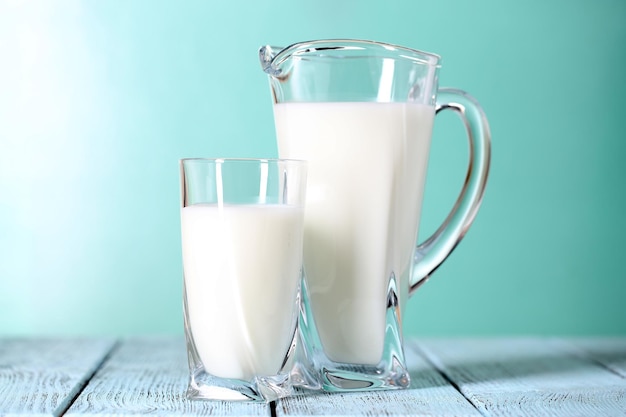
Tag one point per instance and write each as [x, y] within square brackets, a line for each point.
[243, 160]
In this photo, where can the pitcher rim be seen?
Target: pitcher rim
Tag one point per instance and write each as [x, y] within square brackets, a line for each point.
[275, 55]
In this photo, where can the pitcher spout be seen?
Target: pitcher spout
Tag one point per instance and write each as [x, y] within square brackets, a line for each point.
[267, 54]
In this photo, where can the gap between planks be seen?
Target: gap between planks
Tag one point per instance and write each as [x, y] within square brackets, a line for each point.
[414, 344]
[114, 346]
[44, 376]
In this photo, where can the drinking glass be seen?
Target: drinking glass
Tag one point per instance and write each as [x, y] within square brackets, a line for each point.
[242, 232]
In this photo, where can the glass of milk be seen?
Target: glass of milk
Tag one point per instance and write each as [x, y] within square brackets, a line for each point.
[362, 113]
[242, 231]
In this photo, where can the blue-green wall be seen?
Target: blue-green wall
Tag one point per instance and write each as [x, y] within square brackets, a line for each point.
[99, 99]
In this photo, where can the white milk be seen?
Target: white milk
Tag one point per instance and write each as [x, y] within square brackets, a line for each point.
[242, 267]
[366, 172]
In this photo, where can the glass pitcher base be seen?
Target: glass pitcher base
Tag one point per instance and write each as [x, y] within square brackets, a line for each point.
[364, 379]
[389, 373]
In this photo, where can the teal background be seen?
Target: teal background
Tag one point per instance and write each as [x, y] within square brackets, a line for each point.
[98, 101]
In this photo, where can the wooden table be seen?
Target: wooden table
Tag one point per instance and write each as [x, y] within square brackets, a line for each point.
[450, 377]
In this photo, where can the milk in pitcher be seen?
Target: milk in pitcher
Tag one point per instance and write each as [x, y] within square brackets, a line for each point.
[367, 167]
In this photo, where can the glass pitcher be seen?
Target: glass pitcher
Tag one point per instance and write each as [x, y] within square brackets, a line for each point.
[361, 113]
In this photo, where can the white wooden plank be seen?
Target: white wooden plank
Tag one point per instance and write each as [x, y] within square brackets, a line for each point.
[428, 395]
[609, 352]
[528, 377]
[40, 377]
[149, 376]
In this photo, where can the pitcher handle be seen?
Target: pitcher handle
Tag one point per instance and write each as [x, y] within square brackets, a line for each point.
[430, 254]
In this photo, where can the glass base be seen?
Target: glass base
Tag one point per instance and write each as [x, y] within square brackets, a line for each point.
[390, 373]
[295, 371]
[205, 386]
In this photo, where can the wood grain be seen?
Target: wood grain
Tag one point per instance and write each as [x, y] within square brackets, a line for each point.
[429, 395]
[528, 377]
[40, 377]
[609, 352]
[149, 376]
